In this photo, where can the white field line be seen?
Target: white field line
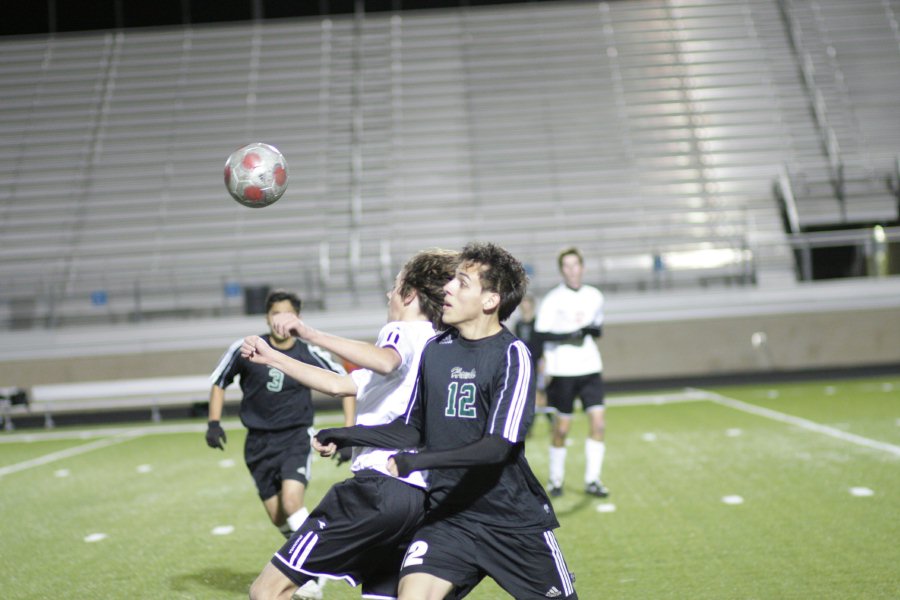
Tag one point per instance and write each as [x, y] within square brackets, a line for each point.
[67, 453]
[86, 434]
[800, 422]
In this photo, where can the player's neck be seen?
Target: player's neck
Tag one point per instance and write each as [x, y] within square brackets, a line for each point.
[285, 344]
[412, 312]
[480, 328]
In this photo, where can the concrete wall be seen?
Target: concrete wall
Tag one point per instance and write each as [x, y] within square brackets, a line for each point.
[646, 336]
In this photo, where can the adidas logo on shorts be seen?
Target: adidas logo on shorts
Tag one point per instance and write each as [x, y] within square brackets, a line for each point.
[553, 593]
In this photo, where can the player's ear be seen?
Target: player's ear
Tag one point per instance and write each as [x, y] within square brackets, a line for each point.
[491, 302]
[408, 299]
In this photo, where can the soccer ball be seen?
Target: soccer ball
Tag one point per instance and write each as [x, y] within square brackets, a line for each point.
[256, 175]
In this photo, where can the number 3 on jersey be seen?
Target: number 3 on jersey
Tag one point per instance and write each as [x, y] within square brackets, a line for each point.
[276, 380]
[460, 400]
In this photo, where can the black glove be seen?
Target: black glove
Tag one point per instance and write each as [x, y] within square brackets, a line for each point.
[343, 455]
[592, 330]
[215, 436]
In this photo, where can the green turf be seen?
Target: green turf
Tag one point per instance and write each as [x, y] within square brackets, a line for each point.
[799, 532]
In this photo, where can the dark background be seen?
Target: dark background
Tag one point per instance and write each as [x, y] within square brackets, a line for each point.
[58, 16]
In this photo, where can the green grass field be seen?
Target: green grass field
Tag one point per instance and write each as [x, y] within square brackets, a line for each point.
[788, 491]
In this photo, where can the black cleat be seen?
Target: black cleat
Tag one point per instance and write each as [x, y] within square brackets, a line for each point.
[555, 492]
[595, 488]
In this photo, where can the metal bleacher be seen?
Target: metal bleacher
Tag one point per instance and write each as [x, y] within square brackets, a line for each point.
[647, 132]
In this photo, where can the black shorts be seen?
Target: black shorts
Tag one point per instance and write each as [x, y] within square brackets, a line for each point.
[528, 565]
[273, 456]
[562, 391]
[358, 533]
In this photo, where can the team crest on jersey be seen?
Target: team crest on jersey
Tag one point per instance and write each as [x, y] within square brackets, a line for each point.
[460, 373]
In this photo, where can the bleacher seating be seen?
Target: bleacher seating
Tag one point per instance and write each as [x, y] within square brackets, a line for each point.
[634, 129]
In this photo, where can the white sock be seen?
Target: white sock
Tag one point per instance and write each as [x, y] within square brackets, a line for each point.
[593, 463]
[297, 519]
[557, 466]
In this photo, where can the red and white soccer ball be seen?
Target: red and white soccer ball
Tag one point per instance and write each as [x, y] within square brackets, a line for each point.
[256, 175]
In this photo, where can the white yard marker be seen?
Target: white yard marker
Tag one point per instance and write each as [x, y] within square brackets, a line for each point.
[861, 492]
[803, 423]
[223, 530]
[772, 394]
[62, 473]
[95, 537]
[226, 463]
[649, 437]
[733, 432]
[830, 390]
[887, 387]
[732, 500]
[144, 468]
[606, 508]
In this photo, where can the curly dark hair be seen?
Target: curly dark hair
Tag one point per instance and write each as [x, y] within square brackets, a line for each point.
[427, 273]
[501, 272]
[280, 295]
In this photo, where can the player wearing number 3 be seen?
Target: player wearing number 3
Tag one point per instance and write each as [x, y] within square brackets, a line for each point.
[488, 514]
[278, 414]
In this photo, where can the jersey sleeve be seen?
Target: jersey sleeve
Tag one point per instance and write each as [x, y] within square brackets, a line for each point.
[228, 367]
[513, 403]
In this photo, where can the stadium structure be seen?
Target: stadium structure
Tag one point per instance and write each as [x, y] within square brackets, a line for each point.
[728, 167]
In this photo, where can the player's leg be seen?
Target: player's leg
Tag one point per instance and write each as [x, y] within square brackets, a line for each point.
[265, 470]
[422, 586]
[529, 566]
[271, 584]
[592, 395]
[295, 465]
[561, 397]
[441, 562]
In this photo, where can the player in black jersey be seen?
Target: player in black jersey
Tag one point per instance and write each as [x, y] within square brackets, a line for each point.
[474, 398]
[278, 414]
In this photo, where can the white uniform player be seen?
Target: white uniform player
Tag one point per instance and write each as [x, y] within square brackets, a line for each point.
[569, 319]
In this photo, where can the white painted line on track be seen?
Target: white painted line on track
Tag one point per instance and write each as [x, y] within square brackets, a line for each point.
[87, 434]
[63, 454]
[768, 413]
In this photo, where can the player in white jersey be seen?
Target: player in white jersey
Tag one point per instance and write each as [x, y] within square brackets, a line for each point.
[568, 321]
[361, 528]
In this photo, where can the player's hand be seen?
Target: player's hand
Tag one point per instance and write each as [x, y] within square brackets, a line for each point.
[256, 350]
[400, 464]
[592, 330]
[343, 455]
[288, 324]
[325, 450]
[215, 435]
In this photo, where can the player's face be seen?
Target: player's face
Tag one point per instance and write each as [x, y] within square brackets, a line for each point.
[395, 299]
[283, 306]
[572, 270]
[465, 300]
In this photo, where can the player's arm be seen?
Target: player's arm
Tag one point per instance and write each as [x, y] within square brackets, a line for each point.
[366, 355]
[256, 350]
[215, 435]
[489, 450]
[396, 434]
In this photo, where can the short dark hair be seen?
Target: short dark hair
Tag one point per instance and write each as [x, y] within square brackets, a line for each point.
[427, 273]
[281, 295]
[500, 272]
[570, 251]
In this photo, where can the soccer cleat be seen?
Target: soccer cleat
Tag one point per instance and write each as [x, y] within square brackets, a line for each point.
[308, 591]
[595, 488]
[555, 491]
